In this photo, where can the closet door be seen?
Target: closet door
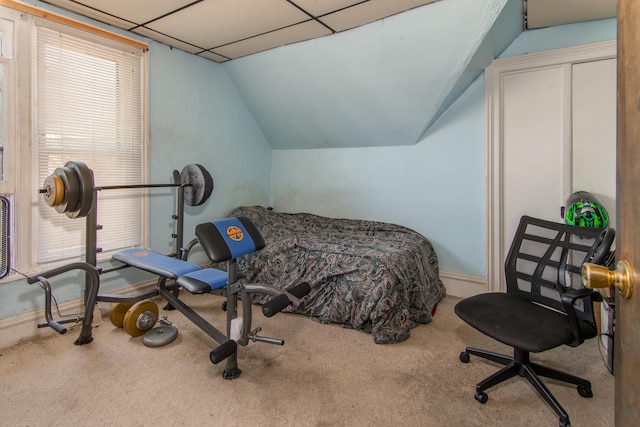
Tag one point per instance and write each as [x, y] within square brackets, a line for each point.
[551, 130]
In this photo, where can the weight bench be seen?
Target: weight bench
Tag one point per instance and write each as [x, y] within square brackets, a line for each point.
[222, 241]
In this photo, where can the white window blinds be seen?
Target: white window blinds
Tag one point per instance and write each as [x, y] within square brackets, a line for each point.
[90, 100]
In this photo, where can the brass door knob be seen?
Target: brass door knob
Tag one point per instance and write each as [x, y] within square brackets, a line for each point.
[597, 276]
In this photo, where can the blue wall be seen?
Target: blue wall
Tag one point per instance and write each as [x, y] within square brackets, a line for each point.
[562, 36]
[436, 186]
[197, 116]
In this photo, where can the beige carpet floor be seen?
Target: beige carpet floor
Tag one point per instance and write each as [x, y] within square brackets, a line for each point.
[324, 375]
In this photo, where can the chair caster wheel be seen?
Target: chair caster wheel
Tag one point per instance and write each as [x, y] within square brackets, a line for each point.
[585, 391]
[481, 397]
[464, 357]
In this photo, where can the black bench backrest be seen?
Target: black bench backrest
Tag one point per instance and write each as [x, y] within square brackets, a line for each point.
[229, 238]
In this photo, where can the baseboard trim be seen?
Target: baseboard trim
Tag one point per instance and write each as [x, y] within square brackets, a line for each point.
[463, 286]
[25, 326]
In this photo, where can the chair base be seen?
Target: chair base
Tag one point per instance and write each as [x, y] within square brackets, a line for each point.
[520, 364]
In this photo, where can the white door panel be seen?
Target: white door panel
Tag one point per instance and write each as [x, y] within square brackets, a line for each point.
[594, 131]
[533, 169]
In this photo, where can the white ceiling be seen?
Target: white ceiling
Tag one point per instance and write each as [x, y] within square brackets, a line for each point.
[221, 30]
[548, 13]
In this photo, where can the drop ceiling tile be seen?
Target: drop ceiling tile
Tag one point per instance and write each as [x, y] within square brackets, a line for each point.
[322, 7]
[213, 23]
[162, 38]
[138, 11]
[304, 31]
[91, 13]
[547, 13]
[369, 11]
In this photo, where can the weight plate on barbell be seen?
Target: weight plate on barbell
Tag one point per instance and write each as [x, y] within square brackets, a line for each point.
[54, 190]
[198, 184]
[85, 189]
[71, 190]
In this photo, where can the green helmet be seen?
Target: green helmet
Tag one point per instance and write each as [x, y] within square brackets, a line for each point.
[584, 210]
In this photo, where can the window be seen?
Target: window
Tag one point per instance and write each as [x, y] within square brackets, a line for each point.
[89, 109]
[7, 66]
[87, 102]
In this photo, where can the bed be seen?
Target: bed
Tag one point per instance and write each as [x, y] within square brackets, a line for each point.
[372, 276]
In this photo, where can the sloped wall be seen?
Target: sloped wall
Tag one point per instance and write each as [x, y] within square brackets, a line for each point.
[381, 84]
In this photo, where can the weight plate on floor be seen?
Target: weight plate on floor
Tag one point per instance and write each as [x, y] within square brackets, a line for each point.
[54, 190]
[140, 318]
[160, 335]
[85, 189]
[198, 184]
[117, 312]
[71, 190]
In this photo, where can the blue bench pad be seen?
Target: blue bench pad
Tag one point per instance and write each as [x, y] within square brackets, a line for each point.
[156, 263]
[203, 281]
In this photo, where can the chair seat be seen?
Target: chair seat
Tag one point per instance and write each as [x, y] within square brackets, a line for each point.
[518, 322]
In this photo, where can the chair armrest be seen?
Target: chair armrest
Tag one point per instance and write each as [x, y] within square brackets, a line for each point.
[569, 298]
[571, 295]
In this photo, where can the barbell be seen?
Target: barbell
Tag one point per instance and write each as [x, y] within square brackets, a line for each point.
[71, 189]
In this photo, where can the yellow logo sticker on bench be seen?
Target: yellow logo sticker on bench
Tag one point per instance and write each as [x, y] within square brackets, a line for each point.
[235, 233]
[140, 254]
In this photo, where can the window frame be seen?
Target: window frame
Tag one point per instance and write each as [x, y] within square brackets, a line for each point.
[8, 61]
[22, 145]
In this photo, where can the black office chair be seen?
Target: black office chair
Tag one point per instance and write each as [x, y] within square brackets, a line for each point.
[545, 306]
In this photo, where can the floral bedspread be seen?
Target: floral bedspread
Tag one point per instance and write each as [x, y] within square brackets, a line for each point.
[377, 277]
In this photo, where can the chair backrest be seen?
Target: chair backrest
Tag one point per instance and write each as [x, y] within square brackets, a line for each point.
[229, 238]
[546, 257]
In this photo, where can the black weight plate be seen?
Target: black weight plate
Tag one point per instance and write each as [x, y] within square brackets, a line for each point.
[85, 180]
[160, 335]
[198, 184]
[71, 190]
